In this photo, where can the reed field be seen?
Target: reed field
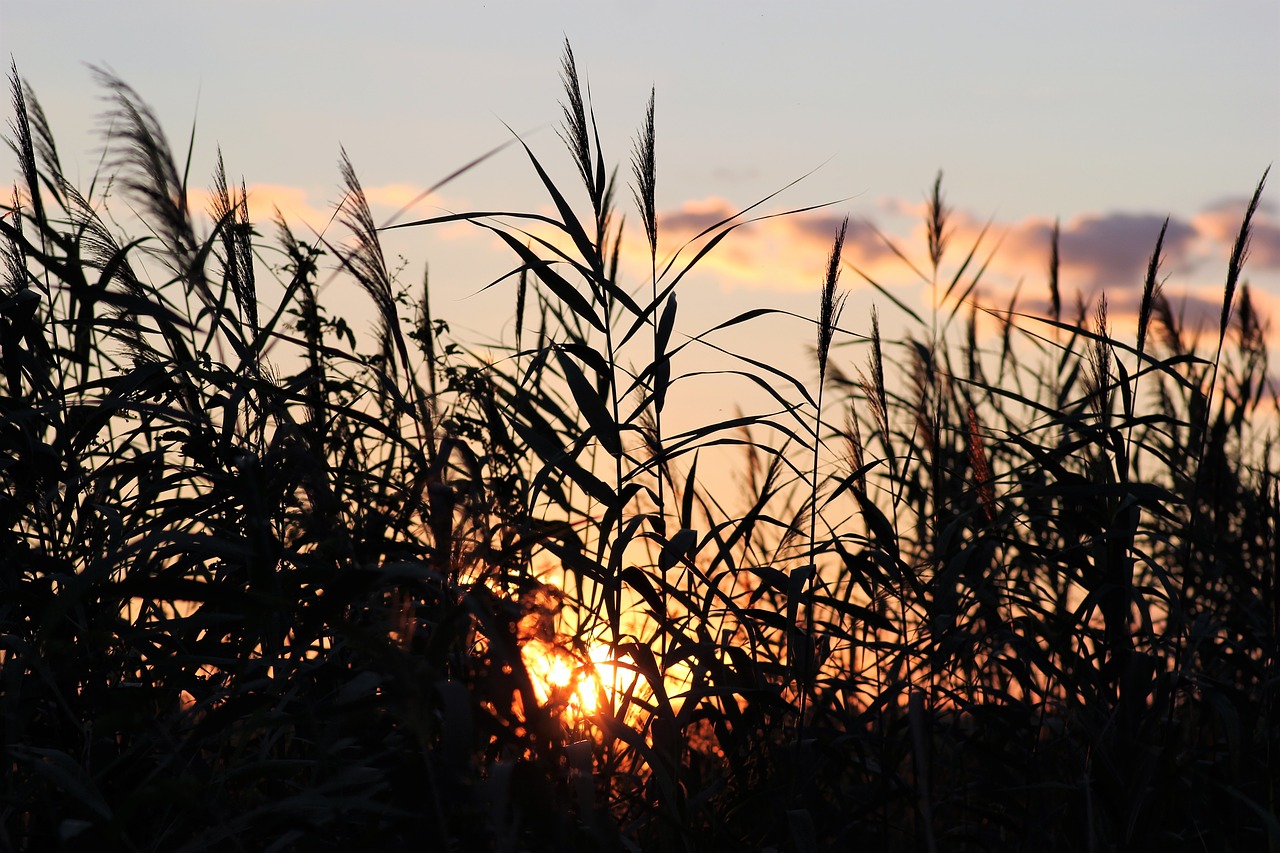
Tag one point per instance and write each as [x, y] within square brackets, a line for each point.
[1007, 581]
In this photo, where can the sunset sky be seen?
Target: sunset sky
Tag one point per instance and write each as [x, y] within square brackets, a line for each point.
[1110, 116]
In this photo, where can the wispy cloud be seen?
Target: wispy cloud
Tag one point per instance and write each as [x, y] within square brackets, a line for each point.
[695, 216]
[1221, 222]
[295, 204]
[1096, 251]
[1099, 251]
[302, 208]
[783, 253]
[863, 247]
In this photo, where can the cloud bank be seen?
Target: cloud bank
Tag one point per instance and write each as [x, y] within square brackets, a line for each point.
[1098, 251]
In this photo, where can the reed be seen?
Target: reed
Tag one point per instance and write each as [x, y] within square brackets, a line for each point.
[268, 585]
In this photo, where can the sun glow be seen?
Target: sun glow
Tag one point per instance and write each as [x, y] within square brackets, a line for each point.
[562, 678]
[580, 684]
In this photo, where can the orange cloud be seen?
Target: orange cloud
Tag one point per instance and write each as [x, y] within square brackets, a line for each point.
[1096, 250]
[786, 253]
[694, 216]
[305, 213]
[1099, 252]
[294, 204]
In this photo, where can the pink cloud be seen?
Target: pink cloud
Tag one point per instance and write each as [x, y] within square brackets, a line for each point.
[1264, 246]
[1221, 222]
[1096, 251]
[694, 216]
[863, 247]
[1099, 251]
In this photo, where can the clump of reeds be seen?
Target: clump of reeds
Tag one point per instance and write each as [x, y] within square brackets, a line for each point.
[266, 586]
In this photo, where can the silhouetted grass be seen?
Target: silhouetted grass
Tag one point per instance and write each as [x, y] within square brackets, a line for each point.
[264, 588]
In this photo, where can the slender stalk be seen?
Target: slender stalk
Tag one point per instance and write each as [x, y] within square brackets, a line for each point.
[830, 308]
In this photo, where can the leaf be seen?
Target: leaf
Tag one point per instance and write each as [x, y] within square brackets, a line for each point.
[639, 581]
[591, 404]
[677, 549]
[881, 530]
[64, 772]
[557, 284]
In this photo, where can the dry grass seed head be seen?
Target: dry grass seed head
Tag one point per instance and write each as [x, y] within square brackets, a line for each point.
[1170, 325]
[1055, 262]
[936, 223]
[575, 132]
[231, 213]
[853, 435]
[23, 144]
[144, 165]
[1100, 362]
[1150, 289]
[877, 394]
[983, 479]
[1239, 253]
[644, 168]
[832, 304]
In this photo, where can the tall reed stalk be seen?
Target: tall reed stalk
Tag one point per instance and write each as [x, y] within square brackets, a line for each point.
[268, 581]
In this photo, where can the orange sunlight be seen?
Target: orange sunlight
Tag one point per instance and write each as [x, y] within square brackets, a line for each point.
[568, 681]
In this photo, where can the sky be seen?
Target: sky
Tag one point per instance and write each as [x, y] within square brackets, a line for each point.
[1108, 116]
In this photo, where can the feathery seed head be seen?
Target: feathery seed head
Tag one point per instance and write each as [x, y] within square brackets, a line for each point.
[832, 304]
[644, 168]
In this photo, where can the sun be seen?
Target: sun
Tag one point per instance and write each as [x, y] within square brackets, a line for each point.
[578, 684]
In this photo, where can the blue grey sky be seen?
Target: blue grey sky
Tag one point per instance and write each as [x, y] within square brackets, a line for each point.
[1109, 115]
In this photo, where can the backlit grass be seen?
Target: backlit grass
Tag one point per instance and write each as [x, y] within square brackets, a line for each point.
[267, 585]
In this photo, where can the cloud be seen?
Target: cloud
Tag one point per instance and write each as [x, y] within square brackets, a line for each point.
[1096, 251]
[694, 216]
[863, 247]
[1114, 249]
[1198, 311]
[784, 253]
[1221, 222]
[1103, 251]
[305, 213]
[1108, 253]
[1264, 246]
[294, 204]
